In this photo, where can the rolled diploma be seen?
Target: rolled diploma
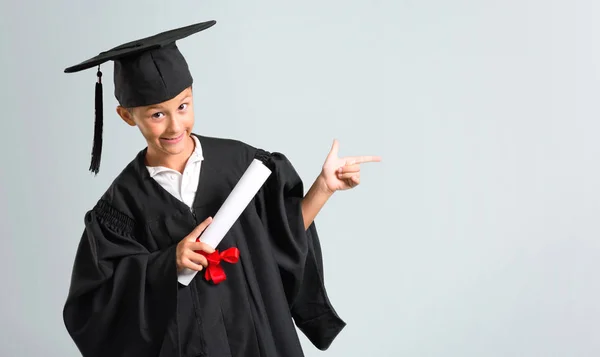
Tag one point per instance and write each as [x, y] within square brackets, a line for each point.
[243, 192]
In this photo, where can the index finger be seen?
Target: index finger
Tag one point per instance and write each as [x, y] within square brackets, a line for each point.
[201, 246]
[363, 159]
[199, 229]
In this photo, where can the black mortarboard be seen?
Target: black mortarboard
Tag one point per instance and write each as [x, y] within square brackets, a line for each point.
[146, 72]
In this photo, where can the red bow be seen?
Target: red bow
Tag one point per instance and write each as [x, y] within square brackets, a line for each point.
[215, 271]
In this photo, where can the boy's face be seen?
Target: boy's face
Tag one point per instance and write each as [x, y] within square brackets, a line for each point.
[166, 126]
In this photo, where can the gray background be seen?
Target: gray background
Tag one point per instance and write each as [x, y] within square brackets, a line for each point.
[476, 236]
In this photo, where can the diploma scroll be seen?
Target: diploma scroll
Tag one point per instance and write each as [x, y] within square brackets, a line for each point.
[243, 192]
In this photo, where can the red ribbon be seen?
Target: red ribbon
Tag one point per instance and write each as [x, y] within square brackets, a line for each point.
[215, 271]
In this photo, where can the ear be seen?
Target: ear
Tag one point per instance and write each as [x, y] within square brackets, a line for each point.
[126, 115]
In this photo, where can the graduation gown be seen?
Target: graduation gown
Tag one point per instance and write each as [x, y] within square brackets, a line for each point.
[125, 300]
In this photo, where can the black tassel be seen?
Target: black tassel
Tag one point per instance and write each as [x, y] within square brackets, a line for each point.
[97, 148]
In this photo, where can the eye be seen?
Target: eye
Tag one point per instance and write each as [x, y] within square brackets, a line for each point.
[183, 106]
[157, 115]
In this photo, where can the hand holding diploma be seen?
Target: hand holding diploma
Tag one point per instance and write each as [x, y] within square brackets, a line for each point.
[188, 249]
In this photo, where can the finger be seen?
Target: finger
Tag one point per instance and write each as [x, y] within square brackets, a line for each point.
[349, 168]
[356, 180]
[201, 246]
[186, 263]
[199, 229]
[348, 175]
[335, 147]
[363, 159]
[197, 258]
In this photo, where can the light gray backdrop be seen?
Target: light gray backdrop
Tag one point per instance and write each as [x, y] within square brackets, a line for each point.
[476, 236]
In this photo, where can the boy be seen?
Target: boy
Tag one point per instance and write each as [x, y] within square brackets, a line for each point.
[125, 299]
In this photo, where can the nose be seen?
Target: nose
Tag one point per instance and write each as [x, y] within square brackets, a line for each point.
[175, 124]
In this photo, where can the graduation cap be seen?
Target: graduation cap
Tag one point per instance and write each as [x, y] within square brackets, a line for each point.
[146, 71]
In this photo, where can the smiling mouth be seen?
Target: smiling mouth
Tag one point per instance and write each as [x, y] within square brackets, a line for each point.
[175, 138]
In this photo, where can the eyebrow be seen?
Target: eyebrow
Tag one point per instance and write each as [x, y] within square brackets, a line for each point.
[153, 107]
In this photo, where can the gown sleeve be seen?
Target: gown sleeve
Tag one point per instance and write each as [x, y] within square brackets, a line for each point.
[297, 251]
[121, 296]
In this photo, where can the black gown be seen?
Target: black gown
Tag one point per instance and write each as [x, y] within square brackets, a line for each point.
[125, 300]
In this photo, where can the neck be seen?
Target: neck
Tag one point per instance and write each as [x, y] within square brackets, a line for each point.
[176, 162]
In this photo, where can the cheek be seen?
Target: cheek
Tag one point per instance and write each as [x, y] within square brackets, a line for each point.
[152, 130]
[187, 120]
